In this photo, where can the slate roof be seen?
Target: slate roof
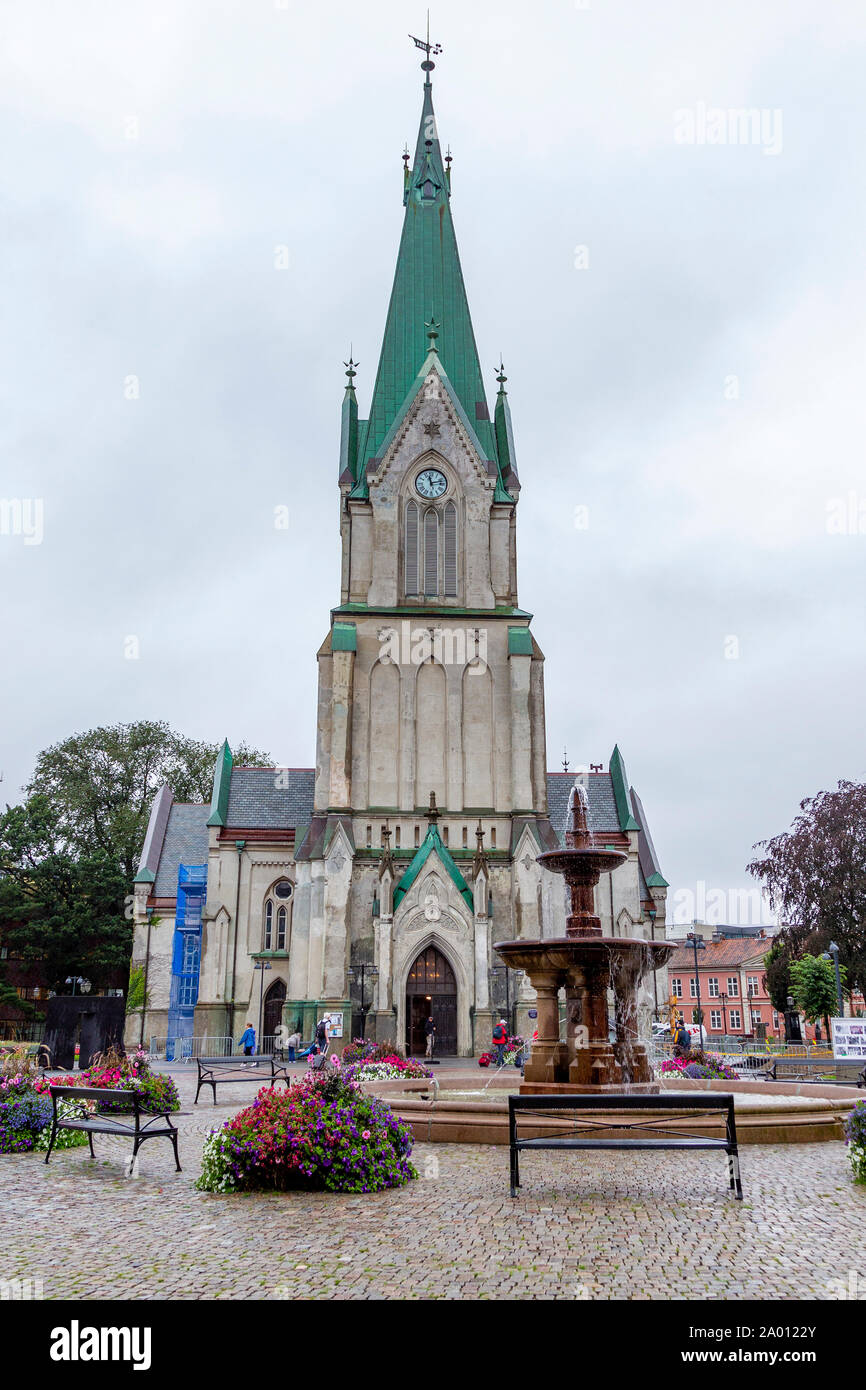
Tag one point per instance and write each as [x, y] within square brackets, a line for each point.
[186, 841]
[649, 861]
[603, 815]
[256, 801]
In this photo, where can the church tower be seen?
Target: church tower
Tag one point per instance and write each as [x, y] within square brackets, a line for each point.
[431, 688]
[373, 887]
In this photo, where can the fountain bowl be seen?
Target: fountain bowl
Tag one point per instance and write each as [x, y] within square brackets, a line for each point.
[564, 952]
[590, 863]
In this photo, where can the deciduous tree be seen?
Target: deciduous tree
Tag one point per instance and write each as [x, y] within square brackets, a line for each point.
[815, 877]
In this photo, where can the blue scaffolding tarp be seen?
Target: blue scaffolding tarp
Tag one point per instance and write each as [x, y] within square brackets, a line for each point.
[186, 954]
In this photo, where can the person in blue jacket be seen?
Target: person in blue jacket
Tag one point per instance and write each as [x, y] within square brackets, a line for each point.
[248, 1041]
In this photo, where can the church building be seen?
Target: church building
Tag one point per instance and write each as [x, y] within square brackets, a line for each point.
[373, 886]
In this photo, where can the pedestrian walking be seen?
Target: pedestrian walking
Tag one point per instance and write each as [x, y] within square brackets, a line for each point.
[682, 1041]
[248, 1041]
[430, 1033]
[292, 1044]
[500, 1039]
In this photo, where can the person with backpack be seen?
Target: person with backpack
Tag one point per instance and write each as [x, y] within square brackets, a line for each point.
[321, 1044]
[682, 1041]
[430, 1034]
[500, 1039]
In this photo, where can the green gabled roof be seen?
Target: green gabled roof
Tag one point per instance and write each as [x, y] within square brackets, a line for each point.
[222, 779]
[432, 843]
[657, 881]
[433, 362]
[428, 282]
[621, 793]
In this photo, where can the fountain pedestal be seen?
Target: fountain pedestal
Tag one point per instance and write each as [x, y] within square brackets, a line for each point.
[586, 965]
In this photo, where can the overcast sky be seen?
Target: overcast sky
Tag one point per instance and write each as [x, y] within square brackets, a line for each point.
[682, 324]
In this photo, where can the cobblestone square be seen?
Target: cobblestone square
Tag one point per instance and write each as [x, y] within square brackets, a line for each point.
[585, 1226]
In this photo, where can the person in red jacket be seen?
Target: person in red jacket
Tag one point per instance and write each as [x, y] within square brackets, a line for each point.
[500, 1038]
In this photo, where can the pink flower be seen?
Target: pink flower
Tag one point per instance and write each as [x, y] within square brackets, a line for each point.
[365, 1134]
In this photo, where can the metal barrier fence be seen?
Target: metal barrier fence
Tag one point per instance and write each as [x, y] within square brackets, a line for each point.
[733, 1044]
[13, 1032]
[187, 1049]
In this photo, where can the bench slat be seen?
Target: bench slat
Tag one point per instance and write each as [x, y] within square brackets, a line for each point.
[622, 1143]
[99, 1125]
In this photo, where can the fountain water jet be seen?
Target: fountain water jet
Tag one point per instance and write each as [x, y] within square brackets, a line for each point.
[586, 964]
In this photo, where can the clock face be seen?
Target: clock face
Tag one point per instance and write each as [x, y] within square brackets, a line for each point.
[431, 483]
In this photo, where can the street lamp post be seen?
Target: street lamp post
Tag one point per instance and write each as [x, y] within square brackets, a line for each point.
[832, 953]
[724, 1002]
[261, 965]
[363, 970]
[698, 944]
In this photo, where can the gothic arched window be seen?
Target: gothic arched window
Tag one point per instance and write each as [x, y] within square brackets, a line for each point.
[449, 568]
[431, 553]
[430, 549]
[277, 916]
[411, 549]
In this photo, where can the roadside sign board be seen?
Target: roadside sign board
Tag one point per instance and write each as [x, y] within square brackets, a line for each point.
[849, 1039]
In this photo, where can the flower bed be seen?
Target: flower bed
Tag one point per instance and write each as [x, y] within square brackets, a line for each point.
[26, 1110]
[25, 1117]
[114, 1071]
[321, 1133]
[390, 1068]
[358, 1050]
[698, 1065]
[855, 1138]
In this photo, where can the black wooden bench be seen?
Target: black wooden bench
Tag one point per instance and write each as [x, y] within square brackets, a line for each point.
[215, 1071]
[138, 1126]
[578, 1128]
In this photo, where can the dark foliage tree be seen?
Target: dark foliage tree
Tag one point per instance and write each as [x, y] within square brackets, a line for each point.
[815, 877]
[101, 784]
[65, 910]
[69, 853]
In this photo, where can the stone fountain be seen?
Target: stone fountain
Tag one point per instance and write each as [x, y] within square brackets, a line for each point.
[587, 964]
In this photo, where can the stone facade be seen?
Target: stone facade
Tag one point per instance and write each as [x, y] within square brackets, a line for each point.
[420, 825]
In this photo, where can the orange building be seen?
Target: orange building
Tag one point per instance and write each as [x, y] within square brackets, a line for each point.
[732, 987]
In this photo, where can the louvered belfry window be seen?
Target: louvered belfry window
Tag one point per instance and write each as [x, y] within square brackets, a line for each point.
[411, 550]
[450, 532]
[431, 553]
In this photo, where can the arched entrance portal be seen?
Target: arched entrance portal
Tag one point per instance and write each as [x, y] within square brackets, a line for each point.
[273, 1014]
[431, 989]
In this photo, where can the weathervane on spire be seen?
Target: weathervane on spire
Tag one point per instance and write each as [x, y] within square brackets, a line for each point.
[428, 48]
[432, 331]
[350, 368]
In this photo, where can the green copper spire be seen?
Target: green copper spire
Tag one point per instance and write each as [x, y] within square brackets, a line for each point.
[428, 293]
[504, 433]
[621, 792]
[222, 778]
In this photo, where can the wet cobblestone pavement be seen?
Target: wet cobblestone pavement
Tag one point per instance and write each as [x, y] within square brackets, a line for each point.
[597, 1226]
